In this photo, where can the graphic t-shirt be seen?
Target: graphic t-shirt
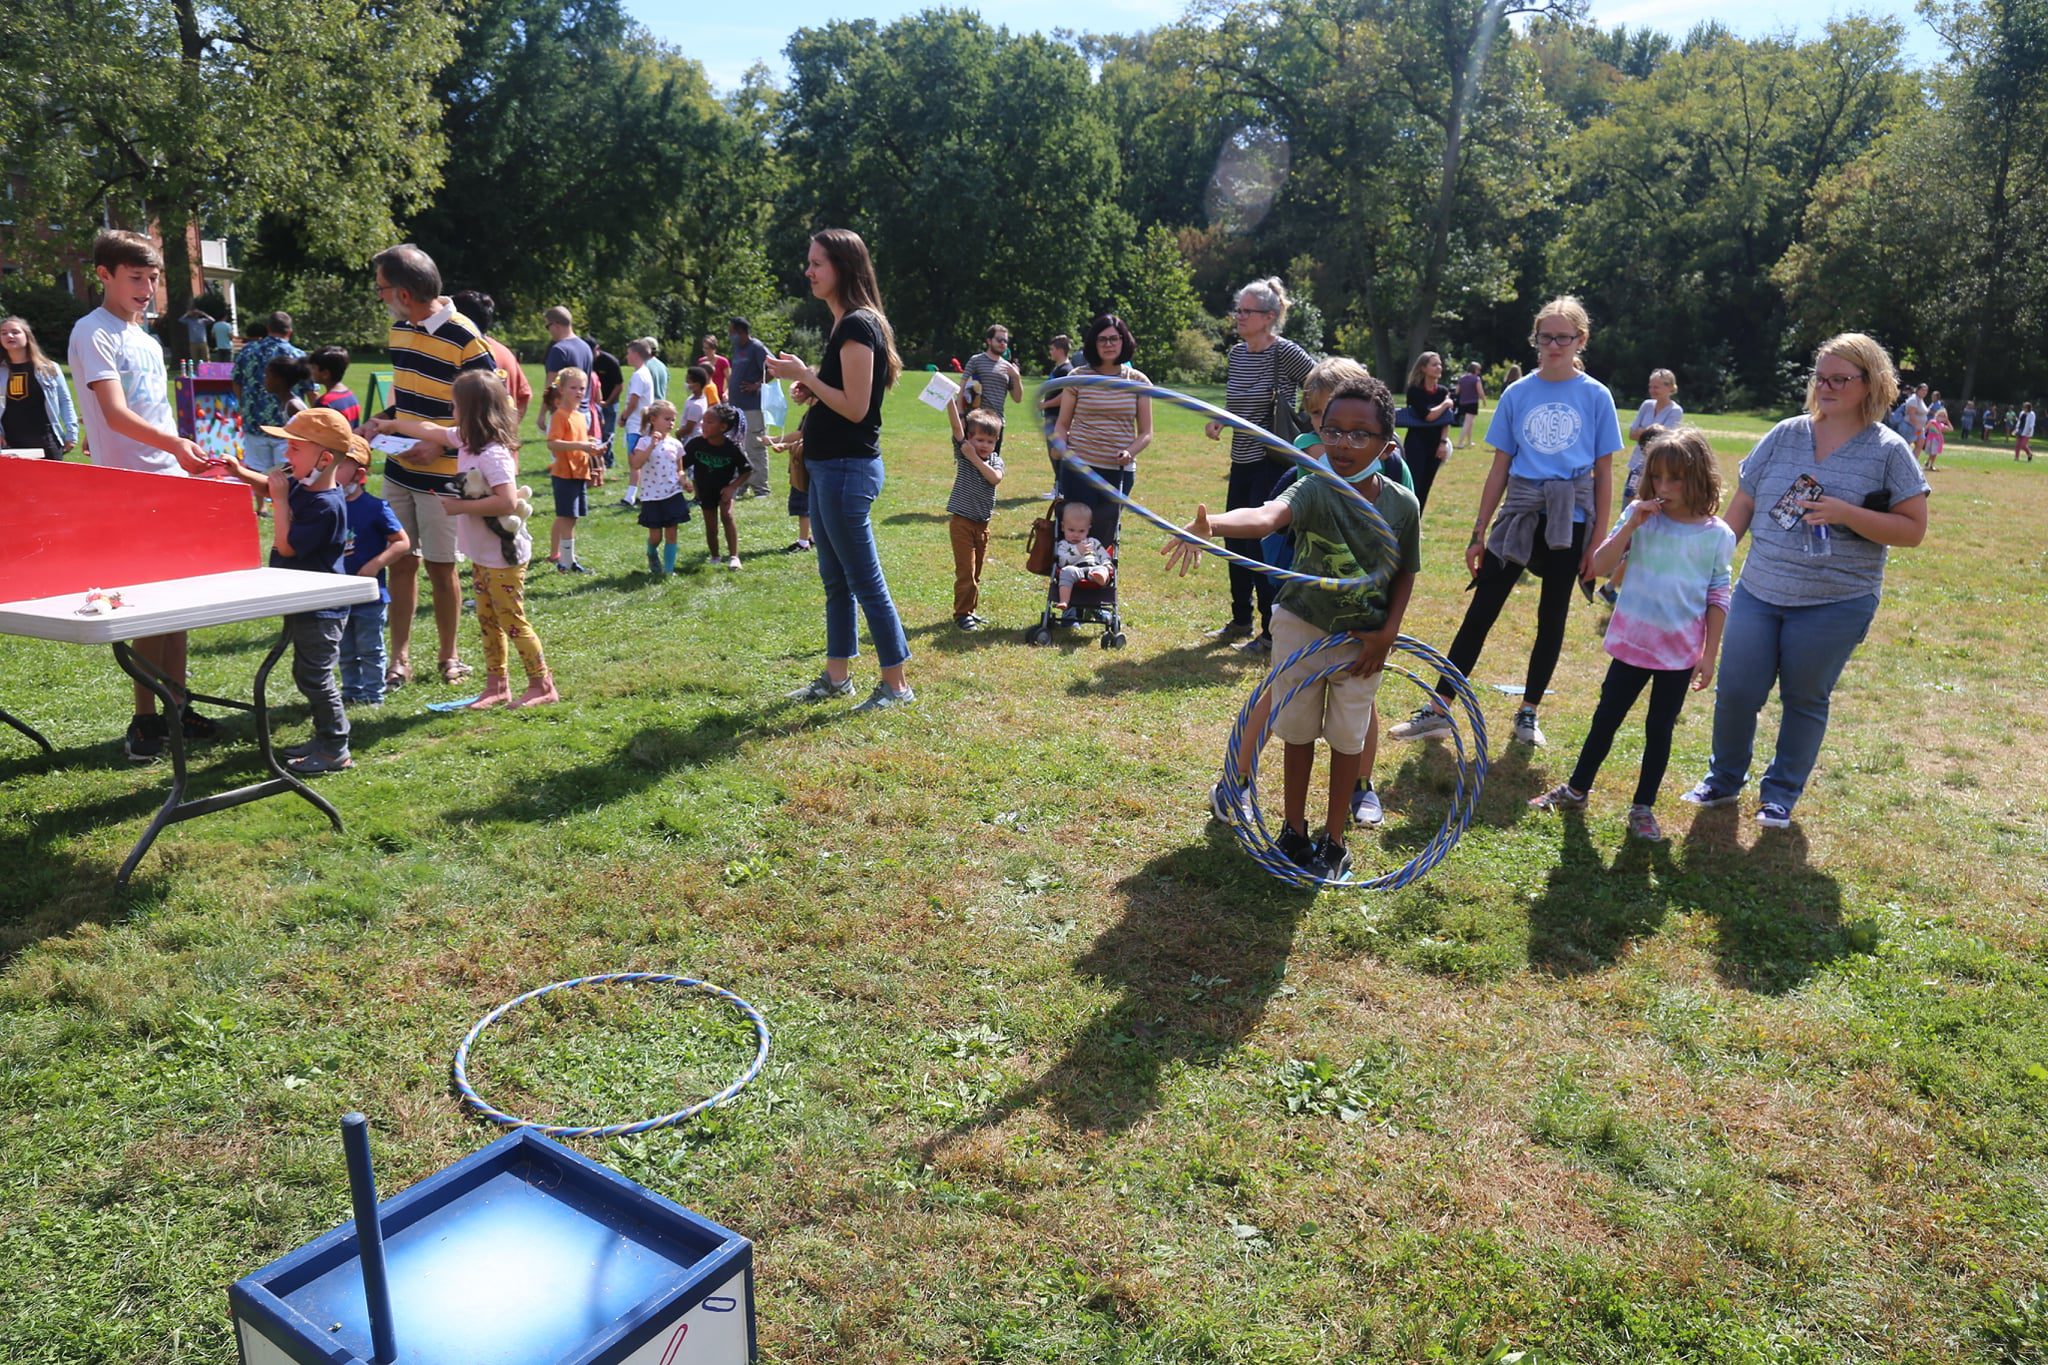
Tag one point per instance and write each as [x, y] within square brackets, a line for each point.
[1555, 429]
[472, 535]
[1875, 461]
[1675, 572]
[26, 418]
[715, 465]
[569, 424]
[104, 347]
[371, 524]
[318, 535]
[1333, 539]
[661, 477]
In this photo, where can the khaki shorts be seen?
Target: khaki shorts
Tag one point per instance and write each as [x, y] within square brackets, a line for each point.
[1337, 710]
[427, 524]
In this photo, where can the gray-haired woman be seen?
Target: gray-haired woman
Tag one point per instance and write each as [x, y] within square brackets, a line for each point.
[1266, 370]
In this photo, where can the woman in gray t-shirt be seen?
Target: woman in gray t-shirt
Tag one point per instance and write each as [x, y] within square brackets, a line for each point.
[1822, 497]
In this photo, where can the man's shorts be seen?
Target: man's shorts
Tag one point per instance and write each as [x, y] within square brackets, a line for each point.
[1336, 710]
[261, 453]
[427, 524]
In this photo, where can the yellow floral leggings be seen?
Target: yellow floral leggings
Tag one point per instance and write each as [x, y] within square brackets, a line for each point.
[501, 611]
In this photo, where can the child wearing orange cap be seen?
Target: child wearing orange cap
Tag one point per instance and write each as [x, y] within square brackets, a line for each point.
[309, 531]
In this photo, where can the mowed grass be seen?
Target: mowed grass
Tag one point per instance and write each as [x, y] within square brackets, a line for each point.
[1059, 1074]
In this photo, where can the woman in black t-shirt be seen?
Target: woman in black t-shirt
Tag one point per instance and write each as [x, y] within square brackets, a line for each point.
[843, 458]
[35, 404]
[1431, 410]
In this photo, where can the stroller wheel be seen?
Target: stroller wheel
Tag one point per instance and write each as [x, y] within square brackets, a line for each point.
[1113, 639]
[1038, 635]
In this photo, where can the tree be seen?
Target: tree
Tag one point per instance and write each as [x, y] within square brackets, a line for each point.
[1417, 124]
[1155, 294]
[575, 140]
[1687, 194]
[223, 113]
[975, 162]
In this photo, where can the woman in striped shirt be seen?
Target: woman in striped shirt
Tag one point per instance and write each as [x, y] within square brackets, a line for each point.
[1105, 428]
[1266, 369]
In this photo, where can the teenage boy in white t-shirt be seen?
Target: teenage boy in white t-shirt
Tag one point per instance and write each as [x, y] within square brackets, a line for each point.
[633, 416]
[124, 400]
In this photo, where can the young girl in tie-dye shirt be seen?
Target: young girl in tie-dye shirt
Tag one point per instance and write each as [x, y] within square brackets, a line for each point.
[1667, 624]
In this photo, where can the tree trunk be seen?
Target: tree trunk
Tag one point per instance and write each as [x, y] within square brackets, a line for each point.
[1994, 277]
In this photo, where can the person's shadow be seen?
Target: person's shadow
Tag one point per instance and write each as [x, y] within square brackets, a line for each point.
[1591, 911]
[1202, 945]
[1779, 918]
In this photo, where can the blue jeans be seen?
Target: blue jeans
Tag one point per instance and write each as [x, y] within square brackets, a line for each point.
[842, 493]
[362, 653]
[1801, 649]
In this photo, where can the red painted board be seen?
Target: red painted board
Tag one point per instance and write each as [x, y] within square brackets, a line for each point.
[67, 526]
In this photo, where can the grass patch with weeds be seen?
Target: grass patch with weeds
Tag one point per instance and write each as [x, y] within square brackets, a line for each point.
[1059, 1074]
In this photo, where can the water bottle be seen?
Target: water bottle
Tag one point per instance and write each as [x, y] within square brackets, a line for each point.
[1818, 543]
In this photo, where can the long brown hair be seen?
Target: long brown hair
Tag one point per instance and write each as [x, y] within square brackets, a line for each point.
[484, 414]
[1687, 456]
[855, 271]
[37, 361]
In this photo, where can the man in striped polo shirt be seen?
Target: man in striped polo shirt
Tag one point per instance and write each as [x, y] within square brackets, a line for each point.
[430, 344]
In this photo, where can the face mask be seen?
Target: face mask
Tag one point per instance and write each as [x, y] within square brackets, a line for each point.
[1360, 477]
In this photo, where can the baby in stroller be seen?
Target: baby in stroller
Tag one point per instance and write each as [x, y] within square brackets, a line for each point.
[1078, 557]
[1083, 574]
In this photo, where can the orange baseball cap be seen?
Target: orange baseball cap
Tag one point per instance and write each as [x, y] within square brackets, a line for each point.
[325, 428]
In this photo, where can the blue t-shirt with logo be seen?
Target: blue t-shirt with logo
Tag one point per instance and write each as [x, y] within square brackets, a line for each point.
[371, 524]
[1555, 430]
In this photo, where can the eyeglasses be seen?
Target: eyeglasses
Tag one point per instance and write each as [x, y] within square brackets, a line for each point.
[1352, 440]
[1243, 312]
[1835, 382]
[1556, 338]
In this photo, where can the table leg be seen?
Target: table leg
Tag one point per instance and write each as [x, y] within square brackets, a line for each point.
[176, 807]
[27, 729]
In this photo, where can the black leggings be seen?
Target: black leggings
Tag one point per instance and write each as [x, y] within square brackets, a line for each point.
[1625, 682]
[1557, 571]
[1251, 485]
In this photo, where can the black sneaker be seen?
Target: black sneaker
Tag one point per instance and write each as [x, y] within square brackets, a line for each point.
[1260, 646]
[197, 726]
[1236, 630]
[1332, 859]
[144, 742]
[1296, 847]
[969, 622]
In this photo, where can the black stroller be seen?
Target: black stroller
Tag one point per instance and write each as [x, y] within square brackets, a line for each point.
[1089, 606]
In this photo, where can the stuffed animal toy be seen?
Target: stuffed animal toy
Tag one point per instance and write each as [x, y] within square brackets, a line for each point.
[507, 529]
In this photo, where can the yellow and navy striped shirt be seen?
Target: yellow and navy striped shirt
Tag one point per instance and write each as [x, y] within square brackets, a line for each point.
[425, 358]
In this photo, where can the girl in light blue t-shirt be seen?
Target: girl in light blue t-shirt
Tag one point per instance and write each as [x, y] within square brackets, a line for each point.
[1554, 437]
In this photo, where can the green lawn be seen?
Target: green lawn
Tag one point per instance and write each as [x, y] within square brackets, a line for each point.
[1059, 1075]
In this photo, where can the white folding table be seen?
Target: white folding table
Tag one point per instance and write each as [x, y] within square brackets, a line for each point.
[182, 604]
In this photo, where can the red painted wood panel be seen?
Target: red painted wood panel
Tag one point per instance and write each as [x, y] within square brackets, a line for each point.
[66, 526]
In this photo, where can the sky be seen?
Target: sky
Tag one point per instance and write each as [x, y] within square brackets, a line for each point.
[728, 47]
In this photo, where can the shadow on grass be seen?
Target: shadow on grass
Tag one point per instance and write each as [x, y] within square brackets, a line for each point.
[1590, 910]
[1184, 668]
[49, 892]
[647, 757]
[913, 518]
[1779, 918]
[1202, 945]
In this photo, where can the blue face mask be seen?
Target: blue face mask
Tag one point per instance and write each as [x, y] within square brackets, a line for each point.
[1360, 477]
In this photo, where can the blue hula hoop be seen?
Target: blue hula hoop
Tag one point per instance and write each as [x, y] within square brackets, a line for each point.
[1241, 810]
[498, 1116]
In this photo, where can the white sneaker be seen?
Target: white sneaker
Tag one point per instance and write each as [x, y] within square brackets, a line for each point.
[885, 696]
[733, 563]
[1426, 723]
[1526, 729]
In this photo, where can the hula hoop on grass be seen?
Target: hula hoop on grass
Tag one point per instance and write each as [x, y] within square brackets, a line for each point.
[1238, 785]
[499, 1116]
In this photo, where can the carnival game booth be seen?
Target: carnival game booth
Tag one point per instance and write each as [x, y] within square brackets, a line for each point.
[93, 556]
[208, 410]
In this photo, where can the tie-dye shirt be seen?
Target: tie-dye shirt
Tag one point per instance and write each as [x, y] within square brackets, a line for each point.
[1675, 572]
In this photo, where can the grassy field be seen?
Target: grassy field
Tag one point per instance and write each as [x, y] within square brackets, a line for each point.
[1059, 1075]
